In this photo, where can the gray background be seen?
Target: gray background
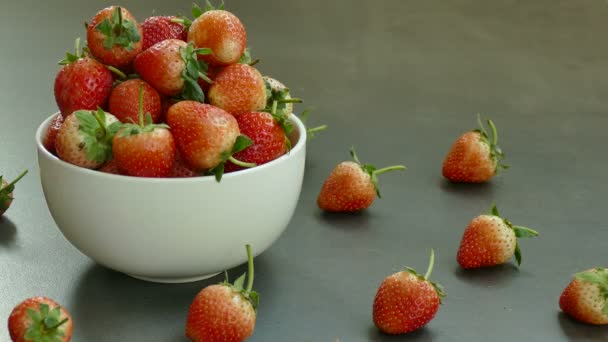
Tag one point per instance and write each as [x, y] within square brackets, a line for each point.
[400, 80]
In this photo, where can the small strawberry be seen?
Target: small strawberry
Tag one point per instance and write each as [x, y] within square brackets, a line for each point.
[82, 83]
[351, 186]
[491, 240]
[407, 301]
[172, 68]
[586, 297]
[144, 149]
[158, 28]
[206, 136]
[277, 91]
[85, 138]
[114, 37]
[110, 167]
[238, 88]
[224, 312]
[40, 319]
[6, 192]
[474, 157]
[51, 134]
[124, 104]
[219, 30]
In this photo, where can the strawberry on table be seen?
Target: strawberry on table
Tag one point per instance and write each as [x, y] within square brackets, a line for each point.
[114, 37]
[206, 136]
[586, 297]
[124, 101]
[144, 149]
[158, 28]
[6, 192]
[224, 312]
[491, 240]
[351, 186]
[85, 138]
[238, 88]
[407, 301]
[474, 157]
[40, 319]
[51, 134]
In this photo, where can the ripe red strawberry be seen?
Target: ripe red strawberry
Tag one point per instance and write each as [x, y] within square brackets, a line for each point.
[85, 138]
[158, 28]
[6, 192]
[351, 186]
[586, 297]
[40, 319]
[51, 134]
[269, 140]
[124, 104]
[82, 84]
[206, 136]
[110, 167]
[222, 32]
[114, 37]
[407, 301]
[144, 149]
[181, 168]
[172, 68]
[474, 157]
[224, 312]
[238, 88]
[491, 240]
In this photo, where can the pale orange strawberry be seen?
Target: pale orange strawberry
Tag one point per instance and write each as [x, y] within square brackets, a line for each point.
[238, 88]
[586, 297]
[40, 319]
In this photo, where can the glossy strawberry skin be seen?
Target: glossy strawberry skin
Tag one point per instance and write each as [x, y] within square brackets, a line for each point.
[404, 303]
[469, 160]
[218, 313]
[158, 28]
[19, 321]
[583, 302]
[161, 66]
[202, 133]
[269, 141]
[487, 241]
[221, 31]
[117, 56]
[124, 101]
[83, 84]
[147, 154]
[347, 189]
[51, 134]
[238, 88]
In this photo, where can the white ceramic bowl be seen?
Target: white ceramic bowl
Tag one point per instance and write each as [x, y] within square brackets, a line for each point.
[175, 229]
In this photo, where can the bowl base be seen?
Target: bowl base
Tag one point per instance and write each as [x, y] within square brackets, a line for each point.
[174, 280]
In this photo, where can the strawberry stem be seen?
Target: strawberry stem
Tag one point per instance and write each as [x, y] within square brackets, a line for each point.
[389, 168]
[241, 163]
[101, 131]
[427, 275]
[205, 77]
[254, 62]
[316, 129]
[273, 110]
[494, 132]
[117, 72]
[249, 286]
[291, 100]
[58, 324]
[17, 179]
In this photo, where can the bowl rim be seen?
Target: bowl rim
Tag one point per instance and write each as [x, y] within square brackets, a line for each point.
[296, 149]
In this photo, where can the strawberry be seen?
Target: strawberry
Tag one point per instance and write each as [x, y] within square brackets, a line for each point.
[110, 167]
[351, 186]
[238, 88]
[491, 240]
[219, 30]
[181, 168]
[82, 83]
[158, 28]
[474, 157]
[144, 149]
[124, 104]
[269, 140]
[206, 136]
[51, 134]
[172, 68]
[407, 301]
[85, 138]
[586, 297]
[114, 37]
[224, 312]
[40, 319]
[277, 91]
[6, 192]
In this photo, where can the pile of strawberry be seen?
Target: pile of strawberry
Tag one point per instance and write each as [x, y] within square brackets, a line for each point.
[170, 97]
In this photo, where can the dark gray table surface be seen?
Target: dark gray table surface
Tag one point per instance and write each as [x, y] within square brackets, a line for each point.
[400, 80]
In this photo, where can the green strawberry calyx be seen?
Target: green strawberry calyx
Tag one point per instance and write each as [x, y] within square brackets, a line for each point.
[373, 171]
[277, 98]
[311, 132]
[97, 135]
[240, 144]
[438, 287]
[45, 324]
[196, 12]
[118, 31]
[239, 286]
[491, 140]
[76, 55]
[520, 232]
[247, 59]
[599, 277]
[144, 125]
[5, 192]
[193, 70]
